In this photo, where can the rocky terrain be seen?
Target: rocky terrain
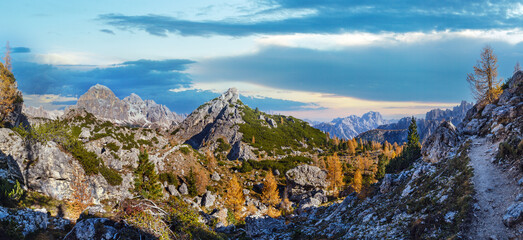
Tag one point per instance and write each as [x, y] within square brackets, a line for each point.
[397, 132]
[40, 112]
[349, 127]
[102, 170]
[132, 110]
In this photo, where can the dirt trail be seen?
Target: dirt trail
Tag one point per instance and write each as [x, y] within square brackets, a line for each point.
[494, 193]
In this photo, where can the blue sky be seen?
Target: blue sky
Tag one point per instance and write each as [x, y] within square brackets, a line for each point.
[311, 59]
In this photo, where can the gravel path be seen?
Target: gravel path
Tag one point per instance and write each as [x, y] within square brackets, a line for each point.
[494, 193]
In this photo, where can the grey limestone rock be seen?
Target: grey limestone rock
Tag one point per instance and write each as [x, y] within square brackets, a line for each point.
[444, 139]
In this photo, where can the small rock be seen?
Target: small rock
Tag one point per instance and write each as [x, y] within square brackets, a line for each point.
[246, 191]
[276, 172]
[215, 177]
[520, 182]
[172, 190]
[208, 200]
[183, 189]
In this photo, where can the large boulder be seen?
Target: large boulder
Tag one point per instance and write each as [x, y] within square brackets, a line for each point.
[30, 221]
[443, 141]
[208, 199]
[103, 228]
[305, 181]
[513, 214]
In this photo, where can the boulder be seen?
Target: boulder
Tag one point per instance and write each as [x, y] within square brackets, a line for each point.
[208, 200]
[513, 214]
[30, 221]
[215, 177]
[386, 184]
[183, 189]
[443, 141]
[172, 190]
[103, 228]
[305, 181]
[220, 215]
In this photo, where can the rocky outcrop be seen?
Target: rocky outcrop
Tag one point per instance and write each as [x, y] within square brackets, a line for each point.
[263, 227]
[349, 127]
[306, 185]
[103, 228]
[132, 110]
[382, 135]
[40, 112]
[218, 118]
[30, 221]
[443, 142]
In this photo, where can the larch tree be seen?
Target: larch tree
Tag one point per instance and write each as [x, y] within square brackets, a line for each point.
[270, 194]
[334, 171]
[483, 81]
[517, 67]
[235, 198]
[8, 91]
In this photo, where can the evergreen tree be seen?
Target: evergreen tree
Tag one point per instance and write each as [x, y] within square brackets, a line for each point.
[146, 180]
[413, 137]
[410, 153]
[191, 183]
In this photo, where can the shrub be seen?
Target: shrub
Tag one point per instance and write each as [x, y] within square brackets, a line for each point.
[112, 176]
[185, 150]
[10, 193]
[170, 178]
[112, 146]
[191, 183]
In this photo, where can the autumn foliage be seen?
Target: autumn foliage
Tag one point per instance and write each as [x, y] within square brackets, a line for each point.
[484, 82]
[334, 170]
[235, 197]
[270, 195]
[81, 196]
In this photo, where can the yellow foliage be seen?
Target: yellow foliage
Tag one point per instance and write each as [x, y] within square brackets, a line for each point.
[81, 196]
[235, 198]
[8, 92]
[334, 170]
[357, 181]
[270, 194]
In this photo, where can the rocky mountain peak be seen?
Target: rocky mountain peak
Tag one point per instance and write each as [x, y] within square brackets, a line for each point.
[132, 110]
[231, 95]
[350, 126]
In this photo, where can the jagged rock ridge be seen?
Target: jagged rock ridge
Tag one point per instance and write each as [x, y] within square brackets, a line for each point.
[132, 110]
[397, 132]
[349, 127]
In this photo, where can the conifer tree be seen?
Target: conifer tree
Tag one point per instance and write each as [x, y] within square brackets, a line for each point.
[357, 181]
[9, 94]
[483, 82]
[235, 198]
[334, 170]
[517, 67]
[270, 195]
[146, 180]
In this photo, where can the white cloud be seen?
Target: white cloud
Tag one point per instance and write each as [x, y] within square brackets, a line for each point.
[342, 40]
[75, 58]
[515, 11]
[324, 106]
[48, 101]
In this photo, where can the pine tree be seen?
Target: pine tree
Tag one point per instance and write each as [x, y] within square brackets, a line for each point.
[235, 198]
[412, 135]
[334, 170]
[483, 82]
[270, 195]
[192, 183]
[146, 180]
[411, 152]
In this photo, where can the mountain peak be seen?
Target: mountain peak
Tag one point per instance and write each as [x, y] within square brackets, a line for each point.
[134, 99]
[231, 95]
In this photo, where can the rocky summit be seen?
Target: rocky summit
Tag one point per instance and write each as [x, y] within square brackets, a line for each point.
[132, 110]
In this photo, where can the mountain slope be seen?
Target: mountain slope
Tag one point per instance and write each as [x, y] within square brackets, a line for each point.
[248, 132]
[132, 110]
[349, 127]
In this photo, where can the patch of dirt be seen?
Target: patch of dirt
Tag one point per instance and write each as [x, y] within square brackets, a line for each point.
[494, 194]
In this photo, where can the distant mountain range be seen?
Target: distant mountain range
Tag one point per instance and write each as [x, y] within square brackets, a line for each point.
[349, 127]
[397, 132]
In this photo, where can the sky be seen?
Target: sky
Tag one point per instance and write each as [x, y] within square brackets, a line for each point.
[315, 60]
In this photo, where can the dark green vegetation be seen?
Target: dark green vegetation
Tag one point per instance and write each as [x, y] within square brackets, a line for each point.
[510, 149]
[10, 193]
[291, 132]
[411, 152]
[282, 165]
[170, 178]
[146, 182]
[191, 183]
[223, 145]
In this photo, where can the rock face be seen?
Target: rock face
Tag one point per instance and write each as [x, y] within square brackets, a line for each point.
[46, 169]
[218, 118]
[397, 132]
[30, 221]
[442, 142]
[304, 182]
[263, 227]
[132, 110]
[353, 125]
